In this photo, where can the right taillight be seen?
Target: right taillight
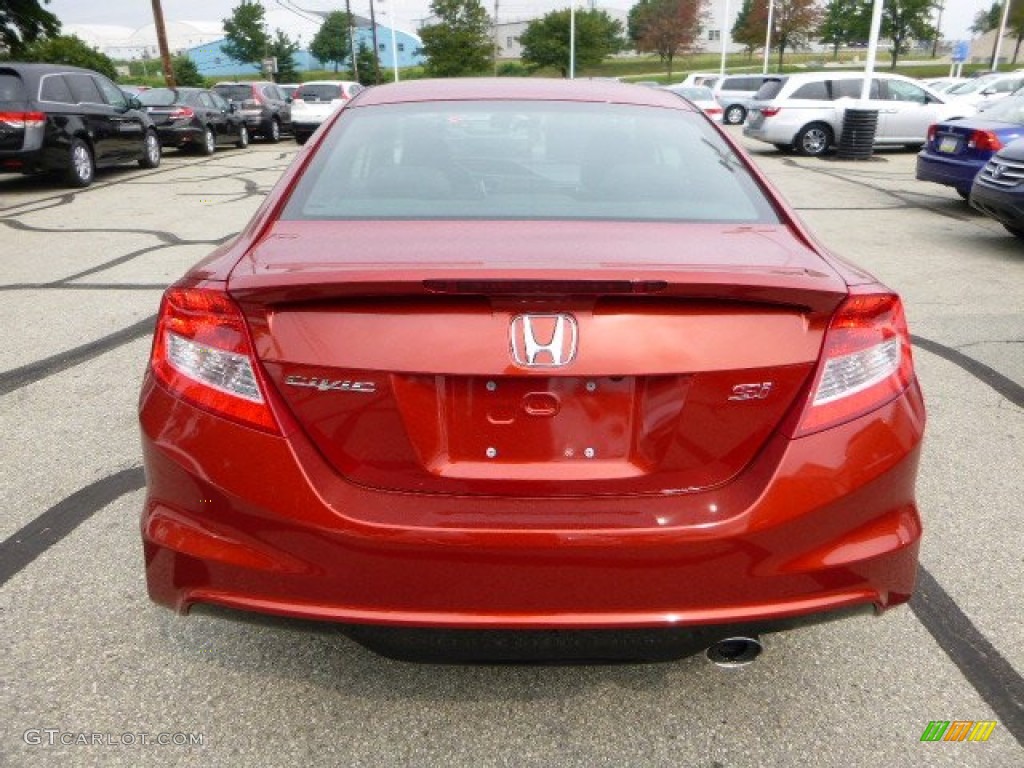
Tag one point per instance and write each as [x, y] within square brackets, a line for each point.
[986, 141]
[202, 354]
[866, 361]
[182, 113]
[770, 111]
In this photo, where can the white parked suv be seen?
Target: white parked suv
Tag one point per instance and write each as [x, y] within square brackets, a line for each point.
[314, 102]
[804, 112]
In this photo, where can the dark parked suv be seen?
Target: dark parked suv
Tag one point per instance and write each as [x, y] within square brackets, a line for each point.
[56, 118]
[265, 107]
[998, 189]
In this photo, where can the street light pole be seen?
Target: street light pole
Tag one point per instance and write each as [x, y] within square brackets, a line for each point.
[768, 36]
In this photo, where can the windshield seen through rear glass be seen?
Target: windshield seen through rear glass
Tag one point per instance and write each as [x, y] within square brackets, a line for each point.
[528, 160]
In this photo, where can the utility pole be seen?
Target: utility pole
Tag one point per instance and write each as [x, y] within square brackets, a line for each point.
[938, 30]
[161, 39]
[376, 49]
[351, 41]
[495, 38]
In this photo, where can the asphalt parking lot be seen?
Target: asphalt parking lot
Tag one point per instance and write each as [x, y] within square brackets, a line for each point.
[90, 669]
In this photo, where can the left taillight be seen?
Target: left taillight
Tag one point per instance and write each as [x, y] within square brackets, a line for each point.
[202, 353]
[866, 361]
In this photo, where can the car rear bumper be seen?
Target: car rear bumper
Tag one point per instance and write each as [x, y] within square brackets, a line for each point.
[947, 170]
[176, 136]
[812, 526]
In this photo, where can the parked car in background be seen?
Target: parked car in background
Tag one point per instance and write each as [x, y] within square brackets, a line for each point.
[194, 119]
[958, 149]
[943, 84]
[314, 101]
[57, 118]
[700, 78]
[734, 93]
[998, 191]
[289, 89]
[985, 91]
[804, 112]
[701, 96]
[264, 106]
[521, 354]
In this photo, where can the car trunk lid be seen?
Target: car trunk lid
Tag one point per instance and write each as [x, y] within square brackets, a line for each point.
[572, 358]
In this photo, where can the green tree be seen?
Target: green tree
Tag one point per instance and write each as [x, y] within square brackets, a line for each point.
[368, 63]
[904, 21]
[23, 22]
[1015, 25]
[246, 39]
[331, 42]
[665, 27]
[546, 41]
[843, 22]
[751, 23]
[283, 48]
[69, 50]
[185, 72]
[460, 42]
[985, 21]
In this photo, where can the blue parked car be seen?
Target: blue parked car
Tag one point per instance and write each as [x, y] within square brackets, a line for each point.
[998, 190]
[958, 149]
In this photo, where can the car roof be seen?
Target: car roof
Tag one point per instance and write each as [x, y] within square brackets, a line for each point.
[518, 89]
[328, 82]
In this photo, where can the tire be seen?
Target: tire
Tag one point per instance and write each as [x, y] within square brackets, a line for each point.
[814, 140]
[81, 165]
[209, 145]
[1015, 231]
[243, 137]
[734, 114]
[274, 134]
[301, 138]
[151, 152]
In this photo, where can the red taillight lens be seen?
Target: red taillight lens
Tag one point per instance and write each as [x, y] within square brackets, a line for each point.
[932, 129]
[298, 100]
[182, 113]
[23, 120]
[985, 140]
[202, 354]
[865, 362]
[770, 111]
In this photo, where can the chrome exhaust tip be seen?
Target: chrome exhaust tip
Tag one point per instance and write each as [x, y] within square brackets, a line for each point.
[735, 651]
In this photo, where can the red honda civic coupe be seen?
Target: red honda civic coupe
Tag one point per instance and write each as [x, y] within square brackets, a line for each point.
[503, 365]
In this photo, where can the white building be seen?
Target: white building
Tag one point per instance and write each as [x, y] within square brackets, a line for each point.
[127, 43]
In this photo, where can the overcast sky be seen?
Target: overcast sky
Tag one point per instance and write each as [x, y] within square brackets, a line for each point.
[135, 13]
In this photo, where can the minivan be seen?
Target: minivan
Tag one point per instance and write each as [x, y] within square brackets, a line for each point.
[734, 93]
[804, 112]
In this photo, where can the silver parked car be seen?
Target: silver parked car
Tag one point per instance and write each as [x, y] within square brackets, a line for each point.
[804, 112]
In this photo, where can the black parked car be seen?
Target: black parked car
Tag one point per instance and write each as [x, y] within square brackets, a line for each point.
[194, 118]
[266, 108]
[998, 189]
[56, 118]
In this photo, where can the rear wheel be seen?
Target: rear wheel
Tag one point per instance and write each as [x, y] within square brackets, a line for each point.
[274, 134]
[243, 137]
[734, 115]
[81, 167]
[151, 151]
[209, 145]
[1015, 231]
[814, 140]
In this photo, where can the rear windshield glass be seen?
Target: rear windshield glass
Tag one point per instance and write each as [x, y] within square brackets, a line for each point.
[319, 92]
[234, 92]
[11, 87]
[694, 92]
[526, 160]
[769, 89]
[158, 97]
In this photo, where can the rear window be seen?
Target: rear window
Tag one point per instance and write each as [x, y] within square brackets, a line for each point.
[526, 160]
[234, 92]
[158, 97]
[319, 92]
[741, 83]
[11, 87]
[770, 89]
